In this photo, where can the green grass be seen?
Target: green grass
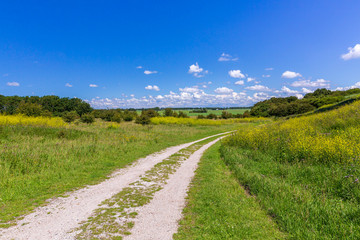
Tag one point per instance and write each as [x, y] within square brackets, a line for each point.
[219, 208]
[216, 112]
[308, 200]
[37, 163]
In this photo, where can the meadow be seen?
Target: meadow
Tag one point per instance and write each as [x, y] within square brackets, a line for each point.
[209, 111]
[203, 122]
[40, 159]
[304, 172]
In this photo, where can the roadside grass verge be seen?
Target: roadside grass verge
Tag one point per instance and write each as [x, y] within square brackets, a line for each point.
[37, 163]
[219, 208]
[309, 201]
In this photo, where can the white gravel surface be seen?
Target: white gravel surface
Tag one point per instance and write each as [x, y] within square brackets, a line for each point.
[60, 215]
[159, 219]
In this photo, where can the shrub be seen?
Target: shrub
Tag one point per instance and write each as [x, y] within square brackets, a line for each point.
[70, 116]
[116, 117]
[143, 120]
[87, 118]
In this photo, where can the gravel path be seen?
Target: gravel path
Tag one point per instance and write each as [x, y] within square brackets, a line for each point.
[159, 219]
[61, 215]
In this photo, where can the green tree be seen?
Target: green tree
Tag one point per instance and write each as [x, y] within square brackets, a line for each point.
[87, 118]
[70, 116]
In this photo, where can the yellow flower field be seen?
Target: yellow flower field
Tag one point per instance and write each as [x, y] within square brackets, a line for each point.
[331, 137]
[32, 121]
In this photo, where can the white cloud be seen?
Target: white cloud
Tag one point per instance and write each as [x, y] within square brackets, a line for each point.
[250, 79]
[305, 90]
[289, 74]
[288, 90]
[266, 76]
[315, 84]
[139, 67]
[259, 88]
[356, 85]
[241, 82]
[236, 74]
[93, 85]
[13, 84]
[68, 85]
[147, 72]
[197, 71]
[353, 53]
[226, 57]
[269, 69]
[223, 90]
[189, 89]
[155, 88]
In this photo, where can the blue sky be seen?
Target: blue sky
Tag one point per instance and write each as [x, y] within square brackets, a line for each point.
[178, 53]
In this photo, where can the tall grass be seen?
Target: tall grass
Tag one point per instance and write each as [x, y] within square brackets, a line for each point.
[305, 172]
[331, 137]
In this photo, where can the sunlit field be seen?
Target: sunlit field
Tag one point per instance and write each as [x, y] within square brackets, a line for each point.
[304, 172]
[209, 111]
[38, 161]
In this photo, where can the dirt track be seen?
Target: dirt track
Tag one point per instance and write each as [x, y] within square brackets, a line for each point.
[156, 220]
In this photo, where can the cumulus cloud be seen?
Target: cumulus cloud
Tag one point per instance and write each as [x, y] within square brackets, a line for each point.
[93, 85]
[250, 79]
[354, 52]
[68, 85]
[226, 57]
[13, 84]
[241, 82]
[139, 67]
[356, 85]
[197, 71]
[269, 69]
[236, 74]
[288, 90]
[155, 88]
[147, 72]
[314, 84]
[305, 90]
[189, 89]
[223, 90]
[290, 74]
[259, 88]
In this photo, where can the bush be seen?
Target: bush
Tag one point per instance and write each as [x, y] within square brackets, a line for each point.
[211, 116]
[87, 118]
[143, 120]
[200, 117]
[116, 117]
[70, 116]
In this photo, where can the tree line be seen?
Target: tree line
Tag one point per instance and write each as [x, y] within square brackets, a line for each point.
[281, 107]
[43, 106]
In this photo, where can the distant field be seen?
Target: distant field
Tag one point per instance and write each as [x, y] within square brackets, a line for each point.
[217, 112]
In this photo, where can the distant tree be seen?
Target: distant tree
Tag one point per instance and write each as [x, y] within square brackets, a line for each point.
[116, 117]
[226, 115]
[168, 112]
[29, 109]
[87, 118]
[211, 116]
[70, 116]
[200, 117]
[182, 115]
[143, 119]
